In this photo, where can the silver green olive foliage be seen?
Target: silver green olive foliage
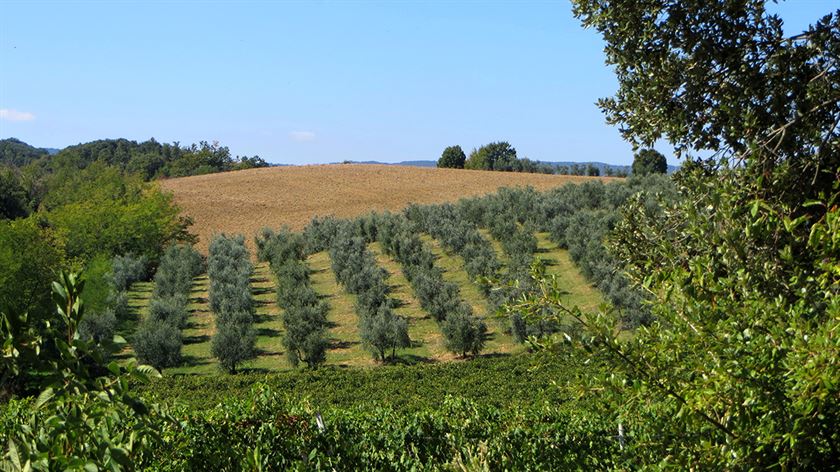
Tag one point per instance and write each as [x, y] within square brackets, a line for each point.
[464, 333]
[304, 314]
[355, 268]
[158, 340]
[439, 298]
[229, 269]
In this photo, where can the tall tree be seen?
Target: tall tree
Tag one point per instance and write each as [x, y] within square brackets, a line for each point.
[741, 367]
[649, 161]
[494, 156]
[453, 157]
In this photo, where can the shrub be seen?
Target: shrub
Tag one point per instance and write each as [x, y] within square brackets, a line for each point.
[464, 333]
[229, 268]
[98, 327]
[172, 310]
[382, 331]
[234, 341]
[452, 157]
[158, 344]
[127, 269]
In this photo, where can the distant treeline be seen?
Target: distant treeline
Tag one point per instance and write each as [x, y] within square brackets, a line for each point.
[26, 171]
[501, 156]
[150, 159]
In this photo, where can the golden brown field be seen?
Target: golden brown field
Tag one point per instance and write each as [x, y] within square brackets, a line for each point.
[245, 201]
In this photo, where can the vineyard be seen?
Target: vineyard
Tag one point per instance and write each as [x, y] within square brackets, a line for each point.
[423, 285]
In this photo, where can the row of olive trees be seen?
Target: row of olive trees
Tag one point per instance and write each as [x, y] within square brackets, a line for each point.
[578, 218]
[355, 268]
[229, 269]
[158, 339]
[304, 313]
[463, 332]
[108, 281]
[457, 227]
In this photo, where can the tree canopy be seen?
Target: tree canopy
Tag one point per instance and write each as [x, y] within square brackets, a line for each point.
[740, 367]
[649, 161]
[452, 157]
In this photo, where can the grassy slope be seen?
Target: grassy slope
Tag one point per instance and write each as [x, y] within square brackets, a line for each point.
[426, 337]
[346, 350]
[500, 341]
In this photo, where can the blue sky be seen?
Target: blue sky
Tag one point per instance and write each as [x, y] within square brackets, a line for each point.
[314, 82]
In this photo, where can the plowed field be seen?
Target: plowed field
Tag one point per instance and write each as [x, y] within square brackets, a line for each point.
[245, 201]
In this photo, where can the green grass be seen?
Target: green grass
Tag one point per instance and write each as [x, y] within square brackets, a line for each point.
[499, 339]
[425, 334]
[346, 349]
[579, 292]
[345, 346]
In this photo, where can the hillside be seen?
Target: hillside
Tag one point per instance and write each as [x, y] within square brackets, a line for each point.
[248, 200]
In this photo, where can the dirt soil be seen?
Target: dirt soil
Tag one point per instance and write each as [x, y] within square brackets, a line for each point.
[246, 201]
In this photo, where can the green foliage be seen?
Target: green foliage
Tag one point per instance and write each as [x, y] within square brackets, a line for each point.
[452, 157]
[103, 211]
[464, 333]
[234, 340]
[98, 284]
[382, 331]
[148, 159]
[494, 156]
[178, 266]
[229, 268]
[158, 340]
[14, 152]
[127, 269]
[14, 199]
[98, 326]
[85, 416]
[739, 367]
[649, 161]
[29, 257]
[158, 344]
[264, 431]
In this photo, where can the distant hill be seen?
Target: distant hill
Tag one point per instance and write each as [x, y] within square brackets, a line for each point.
[14, 152]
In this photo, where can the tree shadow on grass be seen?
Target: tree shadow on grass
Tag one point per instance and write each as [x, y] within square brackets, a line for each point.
[336, 344]
[263, 302]
[257, 291]
[410, 359]
[193, 361]
[261, 318]
[494, 355]
[198, 339]
[268, 332]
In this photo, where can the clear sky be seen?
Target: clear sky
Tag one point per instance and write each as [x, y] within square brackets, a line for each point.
[314, 82]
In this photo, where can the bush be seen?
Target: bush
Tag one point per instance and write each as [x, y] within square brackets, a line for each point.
[98, 327]
[127, 269]
[158, 344]
[229, 268]
[464, 333]
[452, 157]
[234, 341]
[382, 331]
[172, 310]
